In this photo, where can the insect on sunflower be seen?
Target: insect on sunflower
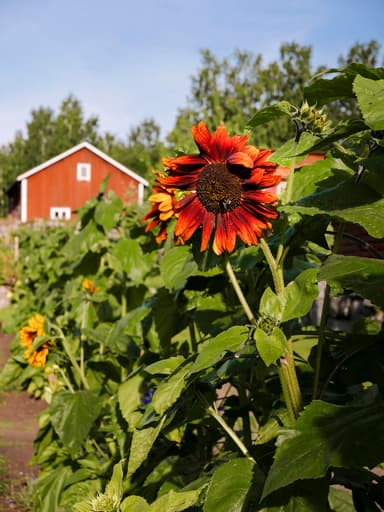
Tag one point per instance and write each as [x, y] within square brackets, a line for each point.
[226, 184]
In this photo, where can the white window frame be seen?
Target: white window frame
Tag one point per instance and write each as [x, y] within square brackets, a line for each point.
[60, 213]
[83, 171]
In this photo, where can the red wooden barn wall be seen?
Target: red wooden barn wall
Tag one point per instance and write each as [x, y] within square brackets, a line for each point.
[57, 184]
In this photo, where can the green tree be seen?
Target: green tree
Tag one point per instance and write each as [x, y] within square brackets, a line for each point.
[232, 89]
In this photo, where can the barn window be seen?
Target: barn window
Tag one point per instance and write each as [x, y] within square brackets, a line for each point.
[60, 213]
[83, 172]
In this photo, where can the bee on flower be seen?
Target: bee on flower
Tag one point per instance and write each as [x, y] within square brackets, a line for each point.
[28, 333]
[224, 191]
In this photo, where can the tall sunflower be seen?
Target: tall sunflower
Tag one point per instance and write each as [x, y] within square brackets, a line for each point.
[225, 182]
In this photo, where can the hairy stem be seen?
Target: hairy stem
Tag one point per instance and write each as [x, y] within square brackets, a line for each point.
[239, 293]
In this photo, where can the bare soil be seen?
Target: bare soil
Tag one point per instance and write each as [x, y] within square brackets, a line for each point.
[18, 429]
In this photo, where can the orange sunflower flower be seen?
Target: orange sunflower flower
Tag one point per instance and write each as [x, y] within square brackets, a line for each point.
[34, 328]
[88, 284]
[226, 181]
[162, 211]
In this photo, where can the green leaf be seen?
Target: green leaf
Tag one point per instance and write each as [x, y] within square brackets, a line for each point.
[267, 114]
[134, 504]
[176, 266]
[340, 500]
[165, 366]
[290, 152]
[73, 414]
[114, 487]
[47, 490]
[130, 259]
[129, 395]
[370, 95]
[327, 435]
[229, 486]
[175, 501]
[323, 90]
[349, 201]
[169, 391]
[142, 442]
[298, 295]
[303, 496]
[309, 177]
[214, 349]
[270, 346]
[107, 212]
[363, 275]
[271, 305]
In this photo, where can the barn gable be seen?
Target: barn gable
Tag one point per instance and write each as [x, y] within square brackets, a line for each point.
[57, 187]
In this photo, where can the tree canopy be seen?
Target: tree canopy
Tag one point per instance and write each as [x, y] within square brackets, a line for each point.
[228, 90]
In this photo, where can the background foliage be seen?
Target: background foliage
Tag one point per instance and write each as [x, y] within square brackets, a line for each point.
[163, 396]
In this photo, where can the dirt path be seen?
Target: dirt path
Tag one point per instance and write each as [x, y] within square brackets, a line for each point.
[18, 428]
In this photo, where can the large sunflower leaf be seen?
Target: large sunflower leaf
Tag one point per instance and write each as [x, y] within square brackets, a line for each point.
[230, 486]
[214, 349]
[370, 94]
[349, 201]
[363, 275]
[327, 435]
[73, 414]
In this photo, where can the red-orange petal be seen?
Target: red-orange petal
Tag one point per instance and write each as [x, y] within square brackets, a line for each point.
[240, 158]
[202, 137]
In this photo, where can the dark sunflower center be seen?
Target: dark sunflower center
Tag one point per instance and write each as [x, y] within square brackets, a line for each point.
[219, 191]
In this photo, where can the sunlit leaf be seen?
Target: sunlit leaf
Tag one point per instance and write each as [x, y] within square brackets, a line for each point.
[370, 95]
[267, 114]
[270, 346]
[213, 350]
[175, 501]
[176, 266]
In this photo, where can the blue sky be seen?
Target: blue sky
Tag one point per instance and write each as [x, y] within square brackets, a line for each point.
[129, 60]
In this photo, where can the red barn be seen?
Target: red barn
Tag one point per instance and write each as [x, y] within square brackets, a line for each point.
[54, 189]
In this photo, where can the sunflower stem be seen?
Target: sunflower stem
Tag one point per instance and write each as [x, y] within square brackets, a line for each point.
[239, 292]
[232, 434]
[323, 318]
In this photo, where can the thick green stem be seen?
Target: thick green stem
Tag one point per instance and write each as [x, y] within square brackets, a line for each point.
[239, 293]
[276, 271]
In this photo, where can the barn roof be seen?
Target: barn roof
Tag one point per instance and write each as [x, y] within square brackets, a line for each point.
[70, 151]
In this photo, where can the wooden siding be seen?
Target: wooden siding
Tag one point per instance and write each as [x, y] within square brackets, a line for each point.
[57, 184]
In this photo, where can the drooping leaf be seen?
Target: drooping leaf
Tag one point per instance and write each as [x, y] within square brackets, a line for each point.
[230, 486]
[214, 349]
[169, 390]
[363, 275]
[49, 487]
[176, 266]
[271, 305]
[142, 442]
[270, 346]
[290, 152]
[327, 435]
[370, 95]
[73, 414]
